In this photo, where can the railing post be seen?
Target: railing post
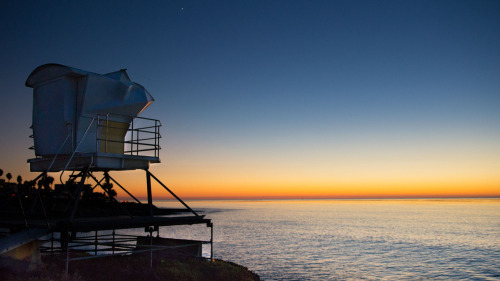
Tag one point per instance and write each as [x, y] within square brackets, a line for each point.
[67, 260]
[95, 243]
[151, 246]
[137, 147]
[211, 241]
[52, 244]
[97, 135]
[132, 139]
[156, 135]
[106, 136]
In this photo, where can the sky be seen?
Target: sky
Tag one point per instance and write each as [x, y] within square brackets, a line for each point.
[281, 99]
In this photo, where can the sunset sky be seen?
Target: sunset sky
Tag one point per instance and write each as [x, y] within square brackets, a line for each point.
[282, 99]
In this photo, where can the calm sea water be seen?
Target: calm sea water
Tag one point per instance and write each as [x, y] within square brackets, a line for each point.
[354, 239]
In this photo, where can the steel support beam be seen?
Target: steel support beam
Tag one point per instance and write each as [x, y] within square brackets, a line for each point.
[150, 196]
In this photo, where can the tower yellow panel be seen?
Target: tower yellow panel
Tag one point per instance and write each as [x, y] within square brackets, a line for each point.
[112, 138]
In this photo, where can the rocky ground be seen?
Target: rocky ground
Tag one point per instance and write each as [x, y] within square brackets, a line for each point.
[119, 268]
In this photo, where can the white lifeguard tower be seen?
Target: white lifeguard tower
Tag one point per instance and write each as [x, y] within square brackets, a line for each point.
[87, 122]
[84, 120]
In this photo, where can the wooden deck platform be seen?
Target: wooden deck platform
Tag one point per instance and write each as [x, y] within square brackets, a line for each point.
[107, 223]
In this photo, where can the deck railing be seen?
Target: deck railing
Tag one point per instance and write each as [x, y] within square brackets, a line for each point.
[142, 136]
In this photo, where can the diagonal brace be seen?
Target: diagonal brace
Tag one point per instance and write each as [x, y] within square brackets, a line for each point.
[176, 197]
[124, 189]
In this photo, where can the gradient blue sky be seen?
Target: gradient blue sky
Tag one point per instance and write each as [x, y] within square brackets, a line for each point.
[263, 93]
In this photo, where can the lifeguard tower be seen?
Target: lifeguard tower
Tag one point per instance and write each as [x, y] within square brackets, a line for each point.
[84, 124]
[87, 120]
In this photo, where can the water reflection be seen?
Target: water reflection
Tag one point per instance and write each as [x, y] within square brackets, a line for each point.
[355, 239]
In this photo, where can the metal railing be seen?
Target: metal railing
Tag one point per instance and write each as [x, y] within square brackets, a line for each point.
[141, 137]
[107, 243]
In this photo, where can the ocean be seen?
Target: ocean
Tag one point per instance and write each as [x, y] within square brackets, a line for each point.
[448, 239]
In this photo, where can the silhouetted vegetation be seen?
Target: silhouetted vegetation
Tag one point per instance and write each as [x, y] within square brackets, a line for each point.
[44, 198]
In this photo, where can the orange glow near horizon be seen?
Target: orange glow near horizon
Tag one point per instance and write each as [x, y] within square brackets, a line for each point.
[346, 192]
[349, 170]
[203, 188]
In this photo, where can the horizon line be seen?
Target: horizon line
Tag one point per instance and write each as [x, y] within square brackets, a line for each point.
[315, 198]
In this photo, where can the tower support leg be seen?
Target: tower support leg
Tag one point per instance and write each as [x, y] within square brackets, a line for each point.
[150, 197]
[77, 194]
